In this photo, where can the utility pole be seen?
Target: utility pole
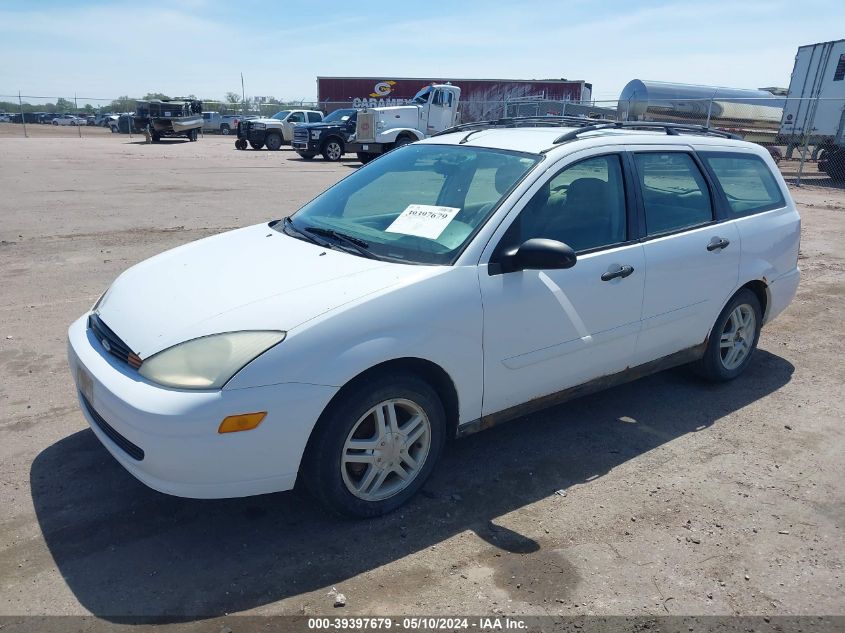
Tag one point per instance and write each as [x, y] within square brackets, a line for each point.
[23, 118]
[243, 94]
[76, 106]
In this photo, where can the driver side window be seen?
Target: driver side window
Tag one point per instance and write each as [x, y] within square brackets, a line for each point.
[582, 206]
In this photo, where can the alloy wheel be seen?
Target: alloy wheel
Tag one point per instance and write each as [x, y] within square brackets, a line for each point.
[333, 151]
[737, 336]
[386, 449]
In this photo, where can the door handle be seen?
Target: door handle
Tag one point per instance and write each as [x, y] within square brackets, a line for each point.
[718, 243]
[622, 272]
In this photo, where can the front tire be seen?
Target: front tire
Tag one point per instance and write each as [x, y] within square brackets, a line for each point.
[273, 142]
[254, 145]
[733, 339]
[306, 155]
[374, 448]
[365, 157]
[240, 144]
[332, 150]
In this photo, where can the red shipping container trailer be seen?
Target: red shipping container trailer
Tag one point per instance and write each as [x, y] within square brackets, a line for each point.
[480, 98]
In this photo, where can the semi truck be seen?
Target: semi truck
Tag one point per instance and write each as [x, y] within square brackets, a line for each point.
[814, 114]
[483, 99]
[381, 129]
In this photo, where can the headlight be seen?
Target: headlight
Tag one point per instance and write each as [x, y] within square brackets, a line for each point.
[259, 126]
[208, 362]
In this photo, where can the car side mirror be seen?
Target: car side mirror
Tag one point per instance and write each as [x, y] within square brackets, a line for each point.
[538, 254]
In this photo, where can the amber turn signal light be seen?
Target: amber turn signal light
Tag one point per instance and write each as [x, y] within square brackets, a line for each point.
[242, 422]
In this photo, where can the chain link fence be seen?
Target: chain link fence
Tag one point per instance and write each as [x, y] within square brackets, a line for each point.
[81, 116]
[806, 137]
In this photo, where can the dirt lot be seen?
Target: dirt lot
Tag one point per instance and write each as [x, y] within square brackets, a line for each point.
[682, 497]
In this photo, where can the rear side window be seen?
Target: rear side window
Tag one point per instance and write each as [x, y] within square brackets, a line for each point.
[747, 182]
[314, 117]
[675, 194]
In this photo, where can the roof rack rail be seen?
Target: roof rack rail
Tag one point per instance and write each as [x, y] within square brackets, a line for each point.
[672, 129]
[524, 121]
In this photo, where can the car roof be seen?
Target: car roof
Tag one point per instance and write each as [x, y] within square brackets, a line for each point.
[536, 140]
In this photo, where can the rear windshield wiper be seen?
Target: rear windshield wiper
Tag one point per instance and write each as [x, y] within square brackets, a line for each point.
[358, 245]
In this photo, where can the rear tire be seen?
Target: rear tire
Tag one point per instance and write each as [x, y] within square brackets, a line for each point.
[365, 482]
[365, 157]
[273, 142]
[224, 129]
[240, 144]
[835, 167]
[733, 339]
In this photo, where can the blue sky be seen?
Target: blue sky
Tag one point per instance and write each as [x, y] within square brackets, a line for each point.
[106, 49]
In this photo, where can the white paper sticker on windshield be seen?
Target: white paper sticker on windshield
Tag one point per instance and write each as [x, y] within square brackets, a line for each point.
[423, 220]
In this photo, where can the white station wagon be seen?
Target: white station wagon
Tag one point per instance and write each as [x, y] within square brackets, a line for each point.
[447, 286]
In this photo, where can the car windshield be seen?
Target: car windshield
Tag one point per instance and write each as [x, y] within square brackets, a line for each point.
[421, 203]
[422, 96]
[281, 115]
[339, 115]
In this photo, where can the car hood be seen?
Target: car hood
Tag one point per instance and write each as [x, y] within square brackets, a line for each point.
[320, 125]
[254, 278]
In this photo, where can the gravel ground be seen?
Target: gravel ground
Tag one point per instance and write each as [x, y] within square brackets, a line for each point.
[680, 497]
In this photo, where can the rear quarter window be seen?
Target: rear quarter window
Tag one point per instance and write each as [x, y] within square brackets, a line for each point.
[748, 183]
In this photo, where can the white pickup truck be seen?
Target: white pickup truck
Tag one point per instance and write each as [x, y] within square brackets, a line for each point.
[275, 131]
[223, 123]
[379, 130]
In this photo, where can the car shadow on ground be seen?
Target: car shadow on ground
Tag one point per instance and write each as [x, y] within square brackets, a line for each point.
[164, 141]
[129, 553]
[827, 183]
[346, 160]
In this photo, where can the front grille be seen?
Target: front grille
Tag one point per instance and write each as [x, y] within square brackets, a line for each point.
[300, 135]
[365, 128]
[135, 452]
[112, 342]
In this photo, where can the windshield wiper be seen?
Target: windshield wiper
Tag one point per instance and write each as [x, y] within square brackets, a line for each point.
[358, 245]
[289, 225]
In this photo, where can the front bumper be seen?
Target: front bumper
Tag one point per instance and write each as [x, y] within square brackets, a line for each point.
[176, 431]
[366, 148]
[308, 147]
[248, 133]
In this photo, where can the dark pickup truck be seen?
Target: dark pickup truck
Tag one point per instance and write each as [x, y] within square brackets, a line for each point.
[327, 138]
